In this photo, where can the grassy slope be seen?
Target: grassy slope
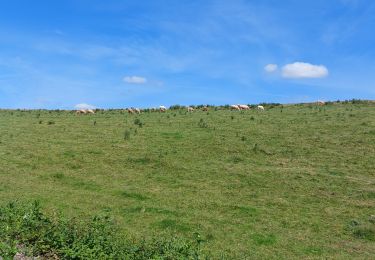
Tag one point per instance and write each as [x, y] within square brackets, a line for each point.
[282, 183]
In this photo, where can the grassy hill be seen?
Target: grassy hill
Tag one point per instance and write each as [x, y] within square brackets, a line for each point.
[294, 181]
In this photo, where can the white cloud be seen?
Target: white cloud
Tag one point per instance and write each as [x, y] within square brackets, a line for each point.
[84, 106]
[304, 70]
[135, 80]
[271, 68]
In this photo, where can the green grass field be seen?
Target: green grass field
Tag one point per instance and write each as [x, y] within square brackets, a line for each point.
[293, 181]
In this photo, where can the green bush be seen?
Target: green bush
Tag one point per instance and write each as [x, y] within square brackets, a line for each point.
[126, 135]
[24, 228]
[138, 122]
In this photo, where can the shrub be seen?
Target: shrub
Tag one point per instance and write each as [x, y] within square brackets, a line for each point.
[138, 122]
[126, 135]
[24, 228]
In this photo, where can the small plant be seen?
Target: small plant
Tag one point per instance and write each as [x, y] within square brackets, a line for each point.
[126, 135]
[362, 230]
[236, 159]
[138, 122]
[202, 123]
[232, 117]
[50, 122]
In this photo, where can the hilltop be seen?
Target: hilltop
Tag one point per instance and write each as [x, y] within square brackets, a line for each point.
[293, 181]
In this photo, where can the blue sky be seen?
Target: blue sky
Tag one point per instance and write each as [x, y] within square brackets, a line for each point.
[111, 54]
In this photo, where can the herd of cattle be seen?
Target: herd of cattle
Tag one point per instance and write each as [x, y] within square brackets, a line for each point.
[189, 109]
[164, 109]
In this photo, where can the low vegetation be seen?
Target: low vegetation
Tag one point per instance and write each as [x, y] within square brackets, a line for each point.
[290, 182]
[26, 230]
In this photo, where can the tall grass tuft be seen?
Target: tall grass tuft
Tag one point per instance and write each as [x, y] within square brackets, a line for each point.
[126, 135]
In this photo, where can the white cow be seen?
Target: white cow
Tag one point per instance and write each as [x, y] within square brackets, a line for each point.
[260, 108]
[234, 107]
[90, 111]
[244, 107]
[137, 110]
[190, 109]
[82, 111]
[162, 108]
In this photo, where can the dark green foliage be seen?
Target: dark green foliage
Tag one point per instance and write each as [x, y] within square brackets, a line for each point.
[138, 122]
[126, 135]
[270, 105]
[24, 228]
[175, 107]
[363, 230]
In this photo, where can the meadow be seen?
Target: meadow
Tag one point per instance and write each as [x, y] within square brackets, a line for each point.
[291, 182]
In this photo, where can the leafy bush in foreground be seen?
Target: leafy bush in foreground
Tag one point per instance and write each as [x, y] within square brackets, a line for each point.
[25, 229]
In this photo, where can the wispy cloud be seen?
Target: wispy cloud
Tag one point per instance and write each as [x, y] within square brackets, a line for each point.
[135, 80]
[271, 68]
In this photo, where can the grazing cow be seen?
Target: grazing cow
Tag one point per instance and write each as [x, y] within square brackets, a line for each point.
[205, 108]
[260, 108]
[137, 110]
[162, 108]
[244, 107]
[190, 109]
[90, 111]
[234, 107]
[321, 103]
[81, 111]
[130, 111]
